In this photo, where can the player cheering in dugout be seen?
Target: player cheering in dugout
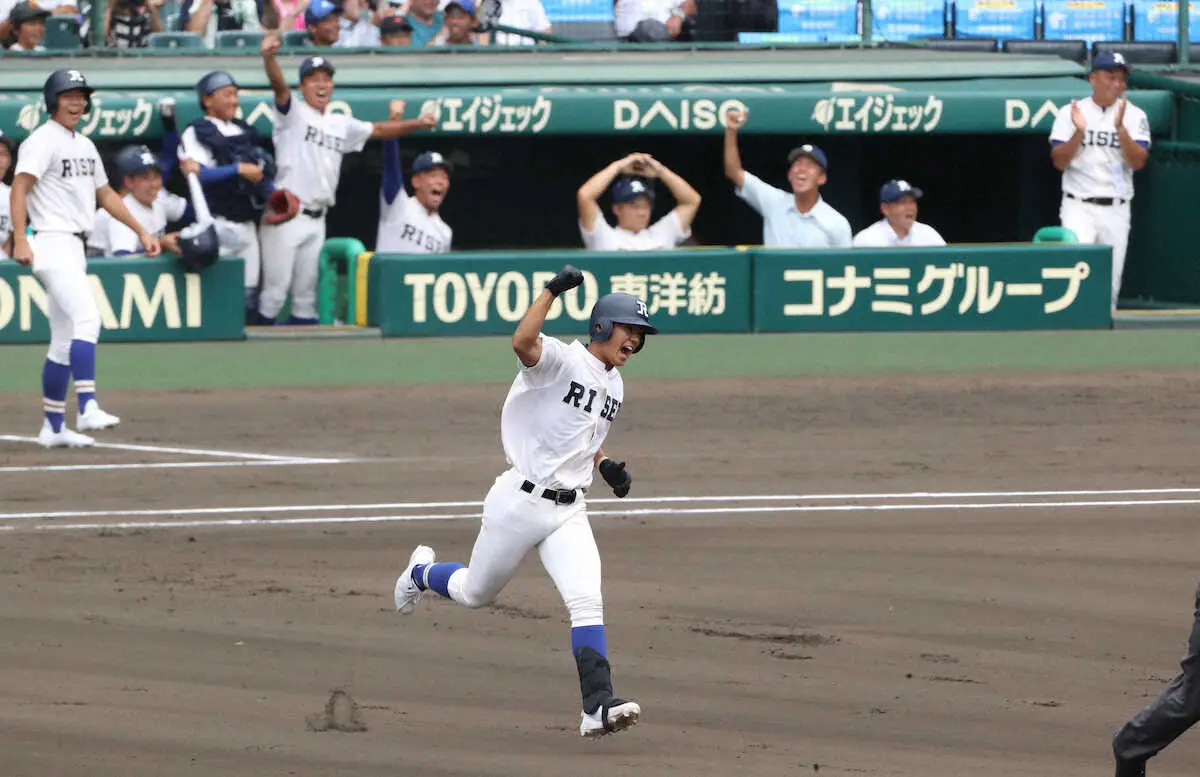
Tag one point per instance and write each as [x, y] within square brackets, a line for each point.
[797, 219]
[899, 226]
[1098, 142]
[555, 419]
[310, 142]
[633, 203]
[413, 224]
[59, 179]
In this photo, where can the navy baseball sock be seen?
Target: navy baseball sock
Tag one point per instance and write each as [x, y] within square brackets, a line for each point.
[83, 367]
[55, 380]
[589, 636]
[435, 577]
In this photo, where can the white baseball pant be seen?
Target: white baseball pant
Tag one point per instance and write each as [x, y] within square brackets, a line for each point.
[240, 238]
[290, 262]
[61, 266]
[514, 523]
[1100, 224]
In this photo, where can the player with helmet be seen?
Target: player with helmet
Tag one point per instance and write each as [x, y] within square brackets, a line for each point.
[558, 413]
[150, 204]
[236, 173]
[8, 153]
[59, 179]
[310, 142]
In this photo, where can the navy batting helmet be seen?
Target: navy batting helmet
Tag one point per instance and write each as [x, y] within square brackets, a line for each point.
[620, 308]
[65, 81]
[218, 79]
[198, 247]
[134, 160]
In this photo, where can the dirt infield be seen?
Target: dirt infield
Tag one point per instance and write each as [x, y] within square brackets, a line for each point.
[894, 591]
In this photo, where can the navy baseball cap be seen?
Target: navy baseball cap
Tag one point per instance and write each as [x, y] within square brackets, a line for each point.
[812, 152]
[313, 64]
[394, 25]
[318, 11]
[894, 190]
[135, 160]
[467, 6]
[1110, 60]
[629, 189]
[26, 12]
[431, 160]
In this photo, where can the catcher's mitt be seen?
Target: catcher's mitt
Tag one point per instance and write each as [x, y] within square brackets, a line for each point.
[282, 206]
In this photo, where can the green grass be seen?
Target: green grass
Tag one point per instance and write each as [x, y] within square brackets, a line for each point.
[259, 364]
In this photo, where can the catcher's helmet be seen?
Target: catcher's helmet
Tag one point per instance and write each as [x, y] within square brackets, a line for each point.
[65, 81]
[198, 247]
[218, 79]
[133, 160]
[620, 308]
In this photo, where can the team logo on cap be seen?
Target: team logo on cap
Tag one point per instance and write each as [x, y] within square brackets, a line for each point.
[317, 62]
[75, 76]
[637, 187]
[147, 157]
[903, 186]
[1118, 58]
[641, 309]
[436, 158]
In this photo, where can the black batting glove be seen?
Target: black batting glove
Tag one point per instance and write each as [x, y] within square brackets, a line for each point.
[615, 475]
[566, 280]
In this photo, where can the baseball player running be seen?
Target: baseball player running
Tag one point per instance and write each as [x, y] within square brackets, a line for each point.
[310, 142]
[633, 202]
[1098, 142]
[553, 426]
[59, 179]
[411, 224]
[8, 152]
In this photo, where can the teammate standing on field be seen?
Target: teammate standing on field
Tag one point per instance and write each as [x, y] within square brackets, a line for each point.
[553, 426]
[633, 204]
[899, 226]
[8, 154]
[1098, 142]
[59, 179]
[310, 142]
[412, 224]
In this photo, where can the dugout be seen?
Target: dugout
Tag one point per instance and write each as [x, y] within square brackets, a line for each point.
[526, 127]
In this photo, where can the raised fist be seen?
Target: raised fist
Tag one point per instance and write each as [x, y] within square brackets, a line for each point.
[615, 475]
[566, 280]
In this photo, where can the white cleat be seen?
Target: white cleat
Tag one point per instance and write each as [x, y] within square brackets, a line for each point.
[93, 418]
[609, 718]
[407, 593]
[63, 438]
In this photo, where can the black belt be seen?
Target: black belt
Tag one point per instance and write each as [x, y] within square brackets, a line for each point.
[1098, 200]
[313, 214]
[560, 496]
[81, 235]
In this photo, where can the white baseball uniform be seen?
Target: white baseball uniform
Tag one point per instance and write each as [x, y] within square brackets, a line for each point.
[667, 232]
[556, 417]
[881, 235]
[5, 218]
[406, 227]
[236, 238]
[1099, 171]
[154, 218]
[61, 206]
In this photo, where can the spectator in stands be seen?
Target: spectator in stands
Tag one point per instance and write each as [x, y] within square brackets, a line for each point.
[51, 7]
[359, 28]
[800, 219]
[426, 21]
[8, 155]
[651, 21]
[208, 17]
[522, 15]
[323, 19]
[899, 225]
[633, 203]
[128, 23]
[395, 31]
[460, 25]
[28, 23]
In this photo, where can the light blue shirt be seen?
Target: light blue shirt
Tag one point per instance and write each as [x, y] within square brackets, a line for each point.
[786, 227]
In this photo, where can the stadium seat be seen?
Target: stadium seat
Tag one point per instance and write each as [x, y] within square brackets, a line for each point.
[1055, 235]
[1089, 20]
[239, 39]
[295, 38]
[1000, 19]
[1074, 50]
[1158, 20]
[1139, 52]
[584, 31]
[578, 11]
[175, 40]
[960, 44]
[62, 34]
[900, 20]
[820, 21]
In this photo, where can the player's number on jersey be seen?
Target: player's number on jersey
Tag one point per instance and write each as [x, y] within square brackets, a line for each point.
[1101, 139]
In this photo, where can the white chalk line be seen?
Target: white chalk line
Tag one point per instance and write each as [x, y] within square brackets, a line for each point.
[610, 500]
[174, 465]
[179, 451]
[667, 511]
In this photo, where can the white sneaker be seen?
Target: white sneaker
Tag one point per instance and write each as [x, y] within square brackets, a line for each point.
[616, 715]
[63, 438]
[93, 418]
[407, 594]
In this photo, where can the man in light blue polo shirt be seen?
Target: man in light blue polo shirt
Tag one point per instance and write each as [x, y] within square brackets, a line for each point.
[799, 219]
